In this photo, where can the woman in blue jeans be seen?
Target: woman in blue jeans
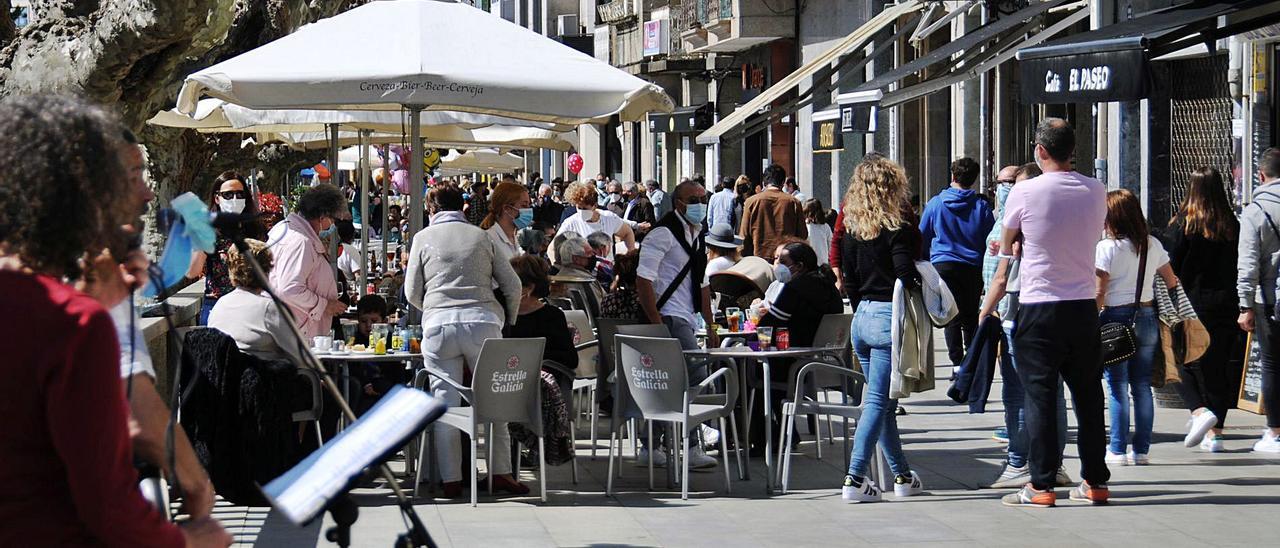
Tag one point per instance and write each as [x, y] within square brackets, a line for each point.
[1119, 266]
[880, 249]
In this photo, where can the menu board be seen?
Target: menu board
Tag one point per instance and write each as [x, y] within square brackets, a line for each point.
[1251, 385]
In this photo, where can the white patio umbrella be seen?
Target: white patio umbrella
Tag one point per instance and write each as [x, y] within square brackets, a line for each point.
[481, 161]
[443, 56]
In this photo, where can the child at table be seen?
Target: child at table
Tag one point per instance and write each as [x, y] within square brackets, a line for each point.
[374, 378]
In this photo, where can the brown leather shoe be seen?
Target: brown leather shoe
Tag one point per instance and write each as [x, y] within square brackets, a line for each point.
[507, 484]
[452, 489]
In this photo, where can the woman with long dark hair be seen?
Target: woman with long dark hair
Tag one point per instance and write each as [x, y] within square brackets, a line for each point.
[880, 247]
[1202, 241]
[1118, 262]
[231, 195]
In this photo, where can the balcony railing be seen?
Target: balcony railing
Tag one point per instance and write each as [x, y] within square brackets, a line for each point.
[615, 11]
[711, 11]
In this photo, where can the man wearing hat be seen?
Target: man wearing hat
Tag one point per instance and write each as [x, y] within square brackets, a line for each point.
[722, 248]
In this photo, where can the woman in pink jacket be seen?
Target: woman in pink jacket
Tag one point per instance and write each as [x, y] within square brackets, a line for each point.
[302, 275]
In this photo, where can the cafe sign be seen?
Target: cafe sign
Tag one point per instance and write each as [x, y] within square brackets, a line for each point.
[1085, 77]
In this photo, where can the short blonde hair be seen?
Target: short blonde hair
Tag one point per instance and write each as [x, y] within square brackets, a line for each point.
[581, 195]
[241, 271]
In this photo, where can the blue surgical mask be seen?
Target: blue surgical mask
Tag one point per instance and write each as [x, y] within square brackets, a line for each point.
[525, 218]
[781, 273]
[695, 213]
[329, 231]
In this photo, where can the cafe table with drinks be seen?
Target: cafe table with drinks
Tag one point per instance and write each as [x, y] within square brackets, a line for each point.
[387, 342]
[752, 353]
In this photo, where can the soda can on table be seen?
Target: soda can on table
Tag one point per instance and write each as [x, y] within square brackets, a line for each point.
[781, 338]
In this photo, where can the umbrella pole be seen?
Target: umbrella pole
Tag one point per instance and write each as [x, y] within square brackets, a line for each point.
[364, 211]
[386, 183]
[415, 188]
[333, 179]
[415, 173]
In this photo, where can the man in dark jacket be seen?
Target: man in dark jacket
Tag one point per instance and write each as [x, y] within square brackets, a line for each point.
[639, 212]
[955, 224]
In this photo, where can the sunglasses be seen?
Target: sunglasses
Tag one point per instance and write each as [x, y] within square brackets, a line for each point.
[234, 195]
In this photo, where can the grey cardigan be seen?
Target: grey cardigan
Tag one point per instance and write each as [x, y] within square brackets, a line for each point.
[454, 265]
[1259, 249]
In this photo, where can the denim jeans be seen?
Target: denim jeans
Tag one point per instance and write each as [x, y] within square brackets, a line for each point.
[872, 325]
[1014, 395]
[1132, 376]
[206, 306]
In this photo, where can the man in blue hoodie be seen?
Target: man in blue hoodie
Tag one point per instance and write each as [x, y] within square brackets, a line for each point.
[955, 224]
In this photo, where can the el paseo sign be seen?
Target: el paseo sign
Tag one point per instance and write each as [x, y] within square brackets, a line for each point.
[1119, 75]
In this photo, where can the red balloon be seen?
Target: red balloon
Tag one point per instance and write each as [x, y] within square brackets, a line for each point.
[575, 163]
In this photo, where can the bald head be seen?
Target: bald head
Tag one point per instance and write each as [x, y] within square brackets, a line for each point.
[1007, 174]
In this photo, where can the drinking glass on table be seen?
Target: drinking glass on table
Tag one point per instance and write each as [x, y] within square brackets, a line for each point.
[765, 336]
[349, 331]
[733, 317]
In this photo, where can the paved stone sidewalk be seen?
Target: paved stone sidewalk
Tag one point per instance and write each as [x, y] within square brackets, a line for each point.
[1184, 498]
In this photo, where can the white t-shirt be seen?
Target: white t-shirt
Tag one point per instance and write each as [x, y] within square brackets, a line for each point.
[134, 357]
[349, 262]
[1119, 260]
[718, 265]
[608, 223]
[820, 240]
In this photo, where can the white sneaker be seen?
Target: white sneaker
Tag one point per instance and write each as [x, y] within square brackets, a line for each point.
[1138, 459]
[1212, 444]
[710, 436]
[1012, 478]
[1198, 426]
[1118, 459]
[1270, 443]
[1063, 479]
[698, 459]
[906, 486]
[659, 457]
[863, 492]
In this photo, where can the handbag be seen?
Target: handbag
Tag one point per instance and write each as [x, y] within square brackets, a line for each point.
[1119, 342]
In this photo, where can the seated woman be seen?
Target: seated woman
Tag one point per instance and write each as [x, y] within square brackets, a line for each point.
[622, 302]
[807, 293]
[538, 319]
[723, 249]
[249, 316]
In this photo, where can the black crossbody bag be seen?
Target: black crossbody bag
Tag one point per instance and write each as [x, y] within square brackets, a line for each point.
[1119, 342]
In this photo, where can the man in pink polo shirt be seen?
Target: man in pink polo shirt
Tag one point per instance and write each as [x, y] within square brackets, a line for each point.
[1059, 216]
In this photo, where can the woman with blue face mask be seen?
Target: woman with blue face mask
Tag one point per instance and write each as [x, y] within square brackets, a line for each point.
[302, 276]
[509, 211]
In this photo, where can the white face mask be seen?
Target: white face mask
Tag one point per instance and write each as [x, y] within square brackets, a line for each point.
[781, 273]
[233, 205]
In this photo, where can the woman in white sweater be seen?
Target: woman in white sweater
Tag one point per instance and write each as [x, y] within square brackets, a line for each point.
[248, 315]
[452, 269]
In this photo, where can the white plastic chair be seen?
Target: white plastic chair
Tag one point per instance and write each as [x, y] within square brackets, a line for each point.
[657, 379]
[515, 397]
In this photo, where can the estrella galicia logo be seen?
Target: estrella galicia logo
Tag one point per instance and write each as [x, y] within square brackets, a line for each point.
[513, 362]
[646, 360]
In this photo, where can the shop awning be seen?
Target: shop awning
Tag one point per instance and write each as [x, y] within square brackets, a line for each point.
[819, 68]
[971, 66]
[1008, 31]
[1111, 63]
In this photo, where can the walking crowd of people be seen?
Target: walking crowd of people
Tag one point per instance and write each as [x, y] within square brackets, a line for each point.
[1067, 281]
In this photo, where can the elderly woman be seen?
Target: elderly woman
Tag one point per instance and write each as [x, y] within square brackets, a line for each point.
[248, 315]
[537, 318]
[68, 475]
[452, 269]
[590, 219]
[302, 275]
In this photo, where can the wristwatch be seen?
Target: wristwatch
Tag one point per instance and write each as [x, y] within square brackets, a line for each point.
[1244, 309]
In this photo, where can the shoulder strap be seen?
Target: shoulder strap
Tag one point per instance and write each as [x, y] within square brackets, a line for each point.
[1269, 220]
[675, 284]
[1142, 274]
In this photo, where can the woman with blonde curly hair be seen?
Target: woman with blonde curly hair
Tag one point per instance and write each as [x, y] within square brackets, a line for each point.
[589, 219]
[880, 247]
